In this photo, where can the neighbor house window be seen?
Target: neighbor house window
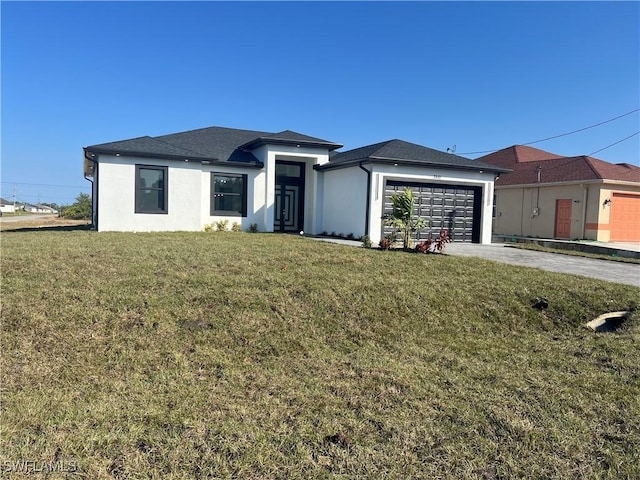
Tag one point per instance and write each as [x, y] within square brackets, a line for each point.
[151, 189]
[229, 194]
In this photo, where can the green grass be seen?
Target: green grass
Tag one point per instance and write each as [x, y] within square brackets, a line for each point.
[19, 213]
[231, 355]
[575, 253]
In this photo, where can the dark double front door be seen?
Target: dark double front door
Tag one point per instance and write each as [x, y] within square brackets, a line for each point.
[289, 197]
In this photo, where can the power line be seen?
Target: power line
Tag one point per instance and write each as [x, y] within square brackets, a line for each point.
[580, 157]
[46, 185]
[615, 143]
[563, 165]
[564, 134]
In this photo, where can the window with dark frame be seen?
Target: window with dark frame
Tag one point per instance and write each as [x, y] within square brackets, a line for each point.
[229, 194]
[151, 189]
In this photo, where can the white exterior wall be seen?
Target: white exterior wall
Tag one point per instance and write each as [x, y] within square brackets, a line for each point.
[344, 201]
[189, 192]
[335, 200]
[94, 195]
[269, 154]
[188, 196]
[430, 175]
[255, 194]
[7, 208]
[116, 196]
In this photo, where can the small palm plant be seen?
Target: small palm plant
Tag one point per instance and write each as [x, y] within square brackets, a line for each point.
[401, 217]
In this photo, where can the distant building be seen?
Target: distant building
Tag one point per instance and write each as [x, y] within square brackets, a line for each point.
[550, 196]
[27, 207]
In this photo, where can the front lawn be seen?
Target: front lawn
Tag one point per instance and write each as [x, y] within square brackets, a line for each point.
[236, 355]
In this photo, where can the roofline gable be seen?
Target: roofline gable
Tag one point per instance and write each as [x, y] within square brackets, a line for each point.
[293, 142]
[398, 151]
[480, 167]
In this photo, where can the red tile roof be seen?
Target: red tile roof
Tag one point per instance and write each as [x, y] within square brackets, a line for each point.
[528, 162]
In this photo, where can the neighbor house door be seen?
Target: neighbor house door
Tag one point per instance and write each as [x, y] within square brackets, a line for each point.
[289, 201]
[563, 218]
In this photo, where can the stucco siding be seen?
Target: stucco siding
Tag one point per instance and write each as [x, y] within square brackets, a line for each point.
[269, 155]
[335, 200]
[531, 210]
[7, 208]
[116, 202]
[382, 173]
[601, 225]
[255, 198]
[344, 201]
[189, 192]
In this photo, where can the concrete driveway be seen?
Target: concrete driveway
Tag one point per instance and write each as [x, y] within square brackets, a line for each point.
[617, 272]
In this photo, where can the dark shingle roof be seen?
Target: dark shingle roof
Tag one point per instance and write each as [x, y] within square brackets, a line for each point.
[288, 137]
[401, 152]
[145, 145]
[215, 144]
[525, 162]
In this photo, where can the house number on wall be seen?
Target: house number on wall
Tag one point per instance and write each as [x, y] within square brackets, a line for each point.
[437, 176]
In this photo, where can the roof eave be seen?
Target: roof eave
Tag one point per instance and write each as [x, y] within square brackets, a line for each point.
[418, 163]
[345, 164]
[258, 142]
[593, 181]
[411, 163]
[180, 158]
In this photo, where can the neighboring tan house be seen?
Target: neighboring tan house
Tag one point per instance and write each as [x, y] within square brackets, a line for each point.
[6, 206]
[551, 196]
[282, 182]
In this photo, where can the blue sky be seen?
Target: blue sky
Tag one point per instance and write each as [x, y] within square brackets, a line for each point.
[478, 75]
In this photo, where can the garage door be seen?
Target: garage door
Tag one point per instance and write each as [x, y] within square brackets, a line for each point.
[454, 207]
[625, 217]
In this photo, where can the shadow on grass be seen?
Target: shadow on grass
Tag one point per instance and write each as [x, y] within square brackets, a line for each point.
[51, 228]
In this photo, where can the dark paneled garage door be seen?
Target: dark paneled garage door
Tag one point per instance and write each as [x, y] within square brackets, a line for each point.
[454, 207]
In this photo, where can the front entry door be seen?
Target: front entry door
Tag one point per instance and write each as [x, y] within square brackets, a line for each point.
[563, 218]
[289, 201]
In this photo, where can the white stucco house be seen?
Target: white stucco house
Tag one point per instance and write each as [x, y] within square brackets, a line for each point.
[6, 206]
[282, 182]
[38, 208]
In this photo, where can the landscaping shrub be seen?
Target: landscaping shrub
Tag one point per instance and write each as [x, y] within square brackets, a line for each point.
[221, 226]
[402, 218]
[80, 210]
[434, 246]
